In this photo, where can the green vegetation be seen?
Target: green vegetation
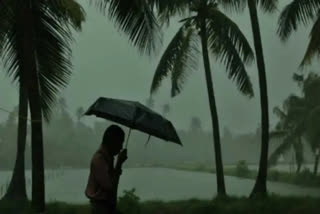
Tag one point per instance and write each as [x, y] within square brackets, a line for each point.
[35, 46]
[211, 30]
[274, 205]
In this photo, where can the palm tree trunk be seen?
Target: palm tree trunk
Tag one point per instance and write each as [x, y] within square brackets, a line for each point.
[260, 187]
[299, 165]
[299, 154]
[316, 165]
[214, 114]
[17, 187]
[38, 186]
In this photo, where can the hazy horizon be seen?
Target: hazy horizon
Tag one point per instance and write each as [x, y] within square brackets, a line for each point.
[105, 64]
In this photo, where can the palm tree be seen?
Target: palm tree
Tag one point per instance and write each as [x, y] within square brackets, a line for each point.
[260, 187]
[302, 12]
[311, 88]
[35, 45]
[226, 42]
[313, 136]
[300, 120]
[290, 130]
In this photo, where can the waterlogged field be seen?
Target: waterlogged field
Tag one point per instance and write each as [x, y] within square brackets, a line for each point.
[154, 184]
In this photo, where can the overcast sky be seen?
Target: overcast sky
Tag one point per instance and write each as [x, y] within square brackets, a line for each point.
[105, 64]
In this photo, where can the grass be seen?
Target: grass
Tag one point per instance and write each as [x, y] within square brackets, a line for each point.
[271, 205]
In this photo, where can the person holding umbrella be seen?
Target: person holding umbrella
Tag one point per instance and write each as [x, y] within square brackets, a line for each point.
[104, 176]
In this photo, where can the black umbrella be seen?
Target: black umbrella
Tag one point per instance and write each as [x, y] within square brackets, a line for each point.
[135, 116]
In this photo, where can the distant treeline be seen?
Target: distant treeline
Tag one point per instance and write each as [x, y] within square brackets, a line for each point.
[70, 142]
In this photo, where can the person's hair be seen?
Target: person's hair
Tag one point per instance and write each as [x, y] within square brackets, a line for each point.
[111, 134]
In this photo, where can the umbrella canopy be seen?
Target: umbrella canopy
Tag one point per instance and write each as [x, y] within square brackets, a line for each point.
[135, 116]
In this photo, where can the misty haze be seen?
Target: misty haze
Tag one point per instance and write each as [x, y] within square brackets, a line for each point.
[98, 93]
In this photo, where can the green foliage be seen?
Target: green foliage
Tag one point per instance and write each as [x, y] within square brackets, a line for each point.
[298, 13]
[242, 169]
[129, 203]
[306, 177]
[50, 38]
[226, 42]
[299, 120]
[136, 19]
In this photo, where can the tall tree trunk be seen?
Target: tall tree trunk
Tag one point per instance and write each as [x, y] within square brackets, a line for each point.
[17, 187]
[316, 165]
[299, 165]
[213, 109]
[298, 149]
[260, 187]
[38, 185]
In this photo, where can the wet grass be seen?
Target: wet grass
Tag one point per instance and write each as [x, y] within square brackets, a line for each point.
[271, 205]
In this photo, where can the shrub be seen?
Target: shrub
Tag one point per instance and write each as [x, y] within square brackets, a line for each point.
[242, 169]
[129, 203]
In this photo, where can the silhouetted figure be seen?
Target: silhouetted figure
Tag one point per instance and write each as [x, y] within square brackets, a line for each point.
[104, 176]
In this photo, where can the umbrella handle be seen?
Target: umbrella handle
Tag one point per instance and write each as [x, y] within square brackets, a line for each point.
[127, 142]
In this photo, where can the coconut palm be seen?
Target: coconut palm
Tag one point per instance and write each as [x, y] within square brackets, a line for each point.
[311, 89]
[35, 46]
[269, 6]
[289, 130]
[217, 33]
[302, 12]
[136, 19]
[299, 123]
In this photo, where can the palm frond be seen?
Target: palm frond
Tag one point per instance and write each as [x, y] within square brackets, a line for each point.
[69, 11]
[268, 6]
[298, 78]
[233, 5]
[11, 40]
[6, 21]
[178, 58]
[314, 44]
[296, 13]
[53, 39]
[186, 62]
[278, 134]
[229, 44]
[279, 113]
[293, 101]
[284, 147]
[136, 19]
[166, 9]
